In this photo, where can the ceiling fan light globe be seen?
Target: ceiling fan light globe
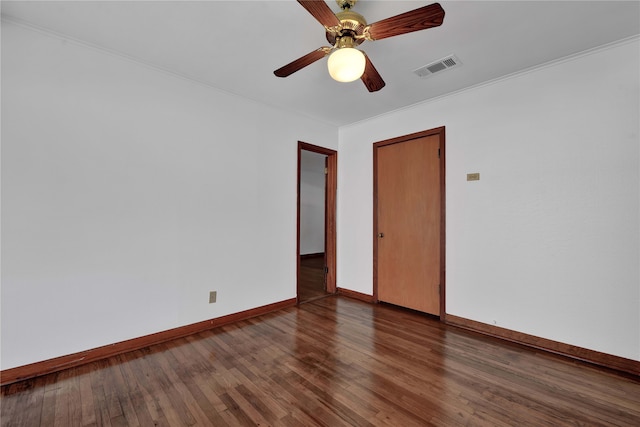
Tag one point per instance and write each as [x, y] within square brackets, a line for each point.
[346, 64]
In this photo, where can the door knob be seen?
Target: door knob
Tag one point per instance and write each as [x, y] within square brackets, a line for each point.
[381, 235]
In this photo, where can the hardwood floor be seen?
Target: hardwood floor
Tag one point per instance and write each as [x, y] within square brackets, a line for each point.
[334, 362]
[311, 278]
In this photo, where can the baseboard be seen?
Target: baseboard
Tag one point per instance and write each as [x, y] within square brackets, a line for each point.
[355, 295]
[32, 370]
[316, 255]
[591, 356]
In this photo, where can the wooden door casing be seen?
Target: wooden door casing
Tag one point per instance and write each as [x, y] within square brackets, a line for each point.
[331, 182]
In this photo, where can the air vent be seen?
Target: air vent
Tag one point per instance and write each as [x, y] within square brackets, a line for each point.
[438, 66]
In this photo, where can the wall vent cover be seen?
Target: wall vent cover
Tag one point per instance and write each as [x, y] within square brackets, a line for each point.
[440, 65]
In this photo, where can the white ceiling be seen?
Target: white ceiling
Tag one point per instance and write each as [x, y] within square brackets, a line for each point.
[235, 45]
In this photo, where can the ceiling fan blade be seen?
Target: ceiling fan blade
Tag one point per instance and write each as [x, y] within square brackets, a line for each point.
[371, 78]
[408, 22]
[302, 62]
[320, 11]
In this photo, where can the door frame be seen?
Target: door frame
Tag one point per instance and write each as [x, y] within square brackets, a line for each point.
[440, 132]
[331, 181]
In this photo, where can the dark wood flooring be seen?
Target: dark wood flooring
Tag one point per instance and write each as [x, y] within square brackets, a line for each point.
[311, 284]
[330, 362]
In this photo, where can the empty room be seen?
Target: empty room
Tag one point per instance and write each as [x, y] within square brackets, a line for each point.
[332, 213]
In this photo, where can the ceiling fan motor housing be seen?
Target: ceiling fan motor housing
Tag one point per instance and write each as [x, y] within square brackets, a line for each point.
[352, 24]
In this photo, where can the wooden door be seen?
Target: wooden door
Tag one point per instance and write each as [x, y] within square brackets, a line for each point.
[409, 190]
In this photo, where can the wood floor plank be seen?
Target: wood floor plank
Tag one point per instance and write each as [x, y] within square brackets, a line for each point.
[154, 396]
[127, 392]
[48, 412]
[172, 399]
[87, 410]
[25, 406]
[329, 362]
[311, 278]
[260, 393]
[179, 376]
[194, 376]
[100, 403]
[69, 396]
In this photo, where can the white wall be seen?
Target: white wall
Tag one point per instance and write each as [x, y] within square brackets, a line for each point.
[312, 194]
[128, 194]
[547, 242]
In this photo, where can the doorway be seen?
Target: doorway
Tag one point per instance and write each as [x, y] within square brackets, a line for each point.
[316, 234]
[409, 221]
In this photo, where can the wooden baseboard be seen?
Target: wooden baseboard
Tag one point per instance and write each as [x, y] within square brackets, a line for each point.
[591, 356]
[32, 370]
[355, 295]
[316, 255]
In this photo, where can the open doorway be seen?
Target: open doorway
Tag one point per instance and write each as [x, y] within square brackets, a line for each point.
[316, 254]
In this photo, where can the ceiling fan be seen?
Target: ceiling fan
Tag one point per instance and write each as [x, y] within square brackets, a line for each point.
[348, 29]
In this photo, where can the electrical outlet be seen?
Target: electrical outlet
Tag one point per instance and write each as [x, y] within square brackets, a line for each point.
[212, 296]
[473, 177]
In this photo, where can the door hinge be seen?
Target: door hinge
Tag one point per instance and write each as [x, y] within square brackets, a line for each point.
[326, 171]
[439, 289]
[438, 153]
[326, 270]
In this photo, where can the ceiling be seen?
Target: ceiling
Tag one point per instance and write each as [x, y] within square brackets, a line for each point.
[236, 45]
